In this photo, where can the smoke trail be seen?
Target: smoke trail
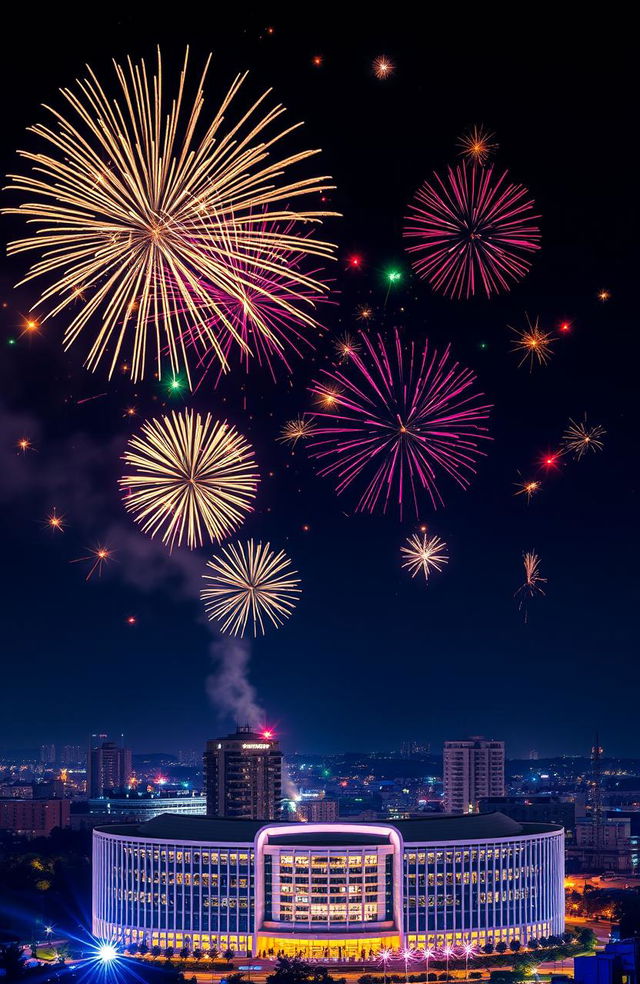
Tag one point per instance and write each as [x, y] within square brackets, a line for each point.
[228, 686]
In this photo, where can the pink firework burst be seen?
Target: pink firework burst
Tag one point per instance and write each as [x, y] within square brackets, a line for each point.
[399, 416]
[472, 231]
[271, 313]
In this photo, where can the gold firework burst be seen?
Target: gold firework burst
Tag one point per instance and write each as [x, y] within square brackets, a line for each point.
[192, 478]
[528, 488]
[533, 581]
[383, 67]
[142, 201]
[346, 345]
[535, 344]
[251, 585]
[296, 430]
[476, 144]
[424, 553]
[579, 438]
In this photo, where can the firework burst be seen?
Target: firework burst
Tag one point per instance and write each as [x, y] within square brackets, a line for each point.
[579, 438]
[98, 559]
[55, 522]
[364, 312]
[471, 231]
[398, 415]
[346, 346]
[383, 67]
[298, 429]
[192, 478]
[533, 581]
[137, 198]
[476, 144]
[534, 344]
[529, 488]
[424, 553]
[269, 306]
[251, 586]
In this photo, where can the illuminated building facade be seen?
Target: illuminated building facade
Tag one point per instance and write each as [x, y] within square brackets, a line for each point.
[108, 766]
[243, 776]
[472, 769]
[327, 890]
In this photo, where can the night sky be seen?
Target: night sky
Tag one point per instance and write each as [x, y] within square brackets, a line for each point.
[370, 657]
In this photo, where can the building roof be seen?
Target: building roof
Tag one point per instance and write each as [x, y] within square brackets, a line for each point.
[427, 829]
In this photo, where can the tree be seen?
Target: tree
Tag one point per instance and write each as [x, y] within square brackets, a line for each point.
[184, 952]
[515, 945]
[587, 939]
[533, 944]
[12, 961]
[197, 954]
[143, 949]
[155, 952]
[501, 947]
[488, 948]
[228, 954]
[296, 971]
[169, 952]
[133, 949]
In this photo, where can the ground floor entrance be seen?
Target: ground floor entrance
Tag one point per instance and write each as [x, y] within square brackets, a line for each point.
[324, 948]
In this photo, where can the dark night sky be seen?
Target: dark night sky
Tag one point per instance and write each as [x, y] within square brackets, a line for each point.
[370, 657]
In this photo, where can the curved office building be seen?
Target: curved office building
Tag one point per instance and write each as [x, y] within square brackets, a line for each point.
[332, 890]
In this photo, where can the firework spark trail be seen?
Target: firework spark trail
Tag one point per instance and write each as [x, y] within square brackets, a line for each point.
[424, 553]
[128, 199]
[395, 417]
[471, 231]
[531, 586]
[579, 438]
[191, 476]
[250, 584]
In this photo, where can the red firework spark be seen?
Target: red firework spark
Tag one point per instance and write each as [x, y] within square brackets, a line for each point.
[398, 416]
[472, 231]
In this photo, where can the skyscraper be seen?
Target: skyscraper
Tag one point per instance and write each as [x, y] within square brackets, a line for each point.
[47, 754]
[473, 768]
[243, 776]
[108, 766]
[71, 755]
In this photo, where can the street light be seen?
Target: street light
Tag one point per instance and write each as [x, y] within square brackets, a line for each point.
[384, 955]
[428, 952]
[407, 954]
[448, 952]
[107, 953]
[469, 951]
